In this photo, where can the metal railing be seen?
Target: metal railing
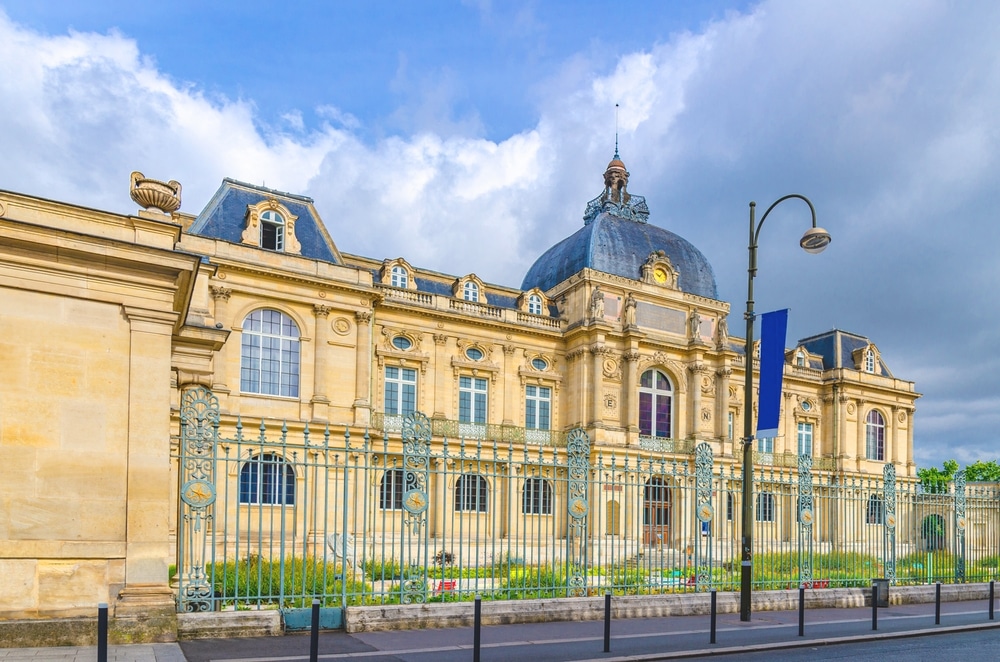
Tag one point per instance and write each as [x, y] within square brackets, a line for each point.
[270, 519]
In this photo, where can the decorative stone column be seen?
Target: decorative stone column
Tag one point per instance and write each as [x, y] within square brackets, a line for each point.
[510, 399]
[220, 364]
[363, 370]
[320, 400]
[631, 407]
[434, 390]
[895, 436]
[911, 466]
[598, 352]
[790, 444]
[860, 451]
[695, 371]
[722, 399]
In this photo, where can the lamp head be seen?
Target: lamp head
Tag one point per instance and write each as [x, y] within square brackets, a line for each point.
[815, 240]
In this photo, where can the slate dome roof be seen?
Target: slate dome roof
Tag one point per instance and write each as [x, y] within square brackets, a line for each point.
[617, 239]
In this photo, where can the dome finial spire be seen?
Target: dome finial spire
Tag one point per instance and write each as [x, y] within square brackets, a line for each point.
[616, 132]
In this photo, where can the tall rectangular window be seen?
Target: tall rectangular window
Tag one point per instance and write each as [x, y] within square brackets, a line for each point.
[765, 445]
[732, 420]
[537, 405]
[400, 390]
[765, 507]
[472, 392]
[805, 438]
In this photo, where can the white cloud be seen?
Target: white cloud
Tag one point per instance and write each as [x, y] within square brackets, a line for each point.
[884, 114]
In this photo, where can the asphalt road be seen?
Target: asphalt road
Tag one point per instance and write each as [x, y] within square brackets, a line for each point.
[656, 638]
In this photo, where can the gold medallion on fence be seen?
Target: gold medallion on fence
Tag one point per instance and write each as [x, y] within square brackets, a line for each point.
[960, 522]
[415, 502]
[578, 507]
[806, 516]
[890, 520]
[198, 493]
[705, 512]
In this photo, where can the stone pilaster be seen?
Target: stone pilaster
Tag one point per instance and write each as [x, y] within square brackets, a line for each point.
[220, 364]
[320, 399]
[363, 369]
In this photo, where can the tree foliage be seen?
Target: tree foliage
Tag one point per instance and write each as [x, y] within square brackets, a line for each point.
[935, 481]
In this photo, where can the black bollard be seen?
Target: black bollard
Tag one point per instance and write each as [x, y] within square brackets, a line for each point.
[314, 633]
[874, 606]
[802, 610]
[937, 604]
[991, 599]
[477, 623]
[607, 622]
[102, 632]
[711, 639]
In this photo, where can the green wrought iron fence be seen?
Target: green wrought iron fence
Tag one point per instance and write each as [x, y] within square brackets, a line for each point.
[274, 518]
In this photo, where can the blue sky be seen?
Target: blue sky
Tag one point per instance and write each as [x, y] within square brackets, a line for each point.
[468, 136]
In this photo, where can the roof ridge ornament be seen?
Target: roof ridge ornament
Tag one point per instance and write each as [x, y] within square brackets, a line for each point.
[615, 200]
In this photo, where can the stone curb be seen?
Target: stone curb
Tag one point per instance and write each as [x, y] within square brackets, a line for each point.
[506, 612]
[796, 643]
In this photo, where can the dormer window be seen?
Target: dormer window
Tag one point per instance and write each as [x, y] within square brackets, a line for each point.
[271, 226]
[399, 277]
[272, 231]
[535, 304]
[869, 361]
[471, 291]
[800, 359]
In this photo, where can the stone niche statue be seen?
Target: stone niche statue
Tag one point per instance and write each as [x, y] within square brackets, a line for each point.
[629, 310]
[597, 303]
[694, 324]
[722, 333]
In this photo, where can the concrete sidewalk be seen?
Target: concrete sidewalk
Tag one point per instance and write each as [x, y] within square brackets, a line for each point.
[632, 639]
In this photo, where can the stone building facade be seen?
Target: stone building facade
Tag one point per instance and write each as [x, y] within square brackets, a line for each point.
[108, 319]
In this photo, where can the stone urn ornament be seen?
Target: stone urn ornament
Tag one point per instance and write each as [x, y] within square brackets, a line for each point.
[154, 195]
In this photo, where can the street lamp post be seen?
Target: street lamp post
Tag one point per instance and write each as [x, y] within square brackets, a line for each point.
[813, 241]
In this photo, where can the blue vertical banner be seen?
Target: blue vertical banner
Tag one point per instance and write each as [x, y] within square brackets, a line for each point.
[772, 367]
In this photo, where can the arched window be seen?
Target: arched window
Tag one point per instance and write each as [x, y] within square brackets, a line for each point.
[272, 231]
[269, 362]
[536, 497]
[399, 277]
[395, 483]
[869, 360]
[875, 436]
[471, 291]
[875, 510]
[765, 507]
[267, 479]
[655, 404]
[472, 494]
[535, 304]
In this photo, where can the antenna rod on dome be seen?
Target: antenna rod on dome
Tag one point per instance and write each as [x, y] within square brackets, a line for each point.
[616, 132]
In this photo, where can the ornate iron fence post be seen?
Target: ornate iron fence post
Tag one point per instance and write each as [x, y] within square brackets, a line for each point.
[416, 465]
[960, 527]
[578, 467]
[199, 438]
[704, 513]
[889, 522]
[806, 517]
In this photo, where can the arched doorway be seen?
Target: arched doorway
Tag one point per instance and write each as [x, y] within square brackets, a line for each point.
[656, 503]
